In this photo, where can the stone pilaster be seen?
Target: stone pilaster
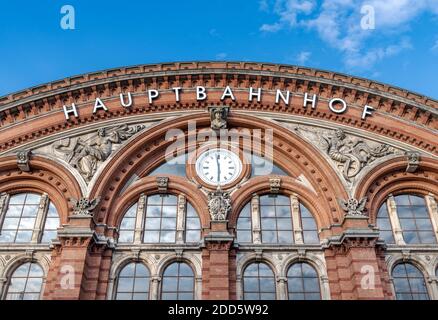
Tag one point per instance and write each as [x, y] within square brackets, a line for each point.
[395, 222]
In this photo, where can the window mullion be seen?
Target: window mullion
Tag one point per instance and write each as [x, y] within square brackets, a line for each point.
[255, 219]
[4, 202]
[395, 222]
[138, 232]
[433, 212]
[296, 220]
[180, 218]
[40, 218]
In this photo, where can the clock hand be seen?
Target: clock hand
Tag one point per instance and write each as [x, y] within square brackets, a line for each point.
[218, 168]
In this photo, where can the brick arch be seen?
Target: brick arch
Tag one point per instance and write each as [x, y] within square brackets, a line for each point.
[46, 176]
[295, 154]
[260, 185]
[391, 177]
[148, 186]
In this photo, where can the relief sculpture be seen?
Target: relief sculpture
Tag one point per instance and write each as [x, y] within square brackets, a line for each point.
[85, 155]
[349, 153]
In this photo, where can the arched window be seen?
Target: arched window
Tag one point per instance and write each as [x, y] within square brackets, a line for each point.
[414, 219]
[193, 225]
[51, 224]
[158, 221]
[276, 219]
[133, 282]
[178, 282]
[310, 230]
[26, 215]
[244, 225]
[409, 283]
[175, 166]
[258, 282]
[384, 224]
[303, 282]
[26, 282]
[127, 227]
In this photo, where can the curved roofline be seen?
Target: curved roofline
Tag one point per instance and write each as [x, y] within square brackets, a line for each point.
[313, 70]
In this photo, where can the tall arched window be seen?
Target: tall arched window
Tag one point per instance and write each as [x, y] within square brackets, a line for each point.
[244, 225]
[26, 215]
[303, 282]
[133, 282]
[193, 225]
[409, 283]
[258, 282]
[384, 224]
[414, 219]
[277, 215]
[158, 221]
[127, 227]
[310, 230]
[51, 224]
[178, 282]
[276, 219]
[26, 282]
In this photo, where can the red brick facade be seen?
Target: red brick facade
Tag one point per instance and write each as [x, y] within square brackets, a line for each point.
[34, 120]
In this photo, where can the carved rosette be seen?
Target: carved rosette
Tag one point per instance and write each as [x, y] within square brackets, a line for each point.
[219, 205]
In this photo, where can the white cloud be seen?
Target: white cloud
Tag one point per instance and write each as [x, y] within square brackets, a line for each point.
[288, 11]
[303, 57]
[435, 46]
[221, 56]
[263, 5]
[338, 23]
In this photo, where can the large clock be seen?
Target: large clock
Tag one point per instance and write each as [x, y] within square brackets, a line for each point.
[218, 166]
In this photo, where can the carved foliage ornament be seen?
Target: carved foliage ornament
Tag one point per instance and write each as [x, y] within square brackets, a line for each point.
[354, 207]
[162, 184]
[219, 205]
[84, 206]
[85, 155]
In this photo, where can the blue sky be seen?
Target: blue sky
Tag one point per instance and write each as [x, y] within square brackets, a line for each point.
[402, 48]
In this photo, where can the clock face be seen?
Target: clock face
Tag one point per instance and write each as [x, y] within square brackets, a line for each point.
[218, 166]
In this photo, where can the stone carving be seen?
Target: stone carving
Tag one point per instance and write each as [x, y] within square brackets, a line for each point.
[274, 185]
[162, 183]
[219, 205]
[218, 117]
[413, 161]
[353, 207]
[23, 157]
[350, 154]
[85, 155]
[84, 206]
